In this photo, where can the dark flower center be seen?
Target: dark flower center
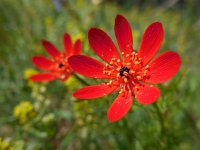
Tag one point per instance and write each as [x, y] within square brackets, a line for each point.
[61, 65]
[122, 70]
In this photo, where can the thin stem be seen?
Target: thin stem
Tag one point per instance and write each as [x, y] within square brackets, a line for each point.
[193, 121]
[160, 116]
[162, 123]
[81, 80]
[129, 135]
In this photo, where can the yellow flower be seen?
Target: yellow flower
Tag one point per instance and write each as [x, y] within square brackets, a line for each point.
[79, 35]
[5, 144]
[29, 72]
[48, 118]
[72, 82]
[24, 111]
[48, 21]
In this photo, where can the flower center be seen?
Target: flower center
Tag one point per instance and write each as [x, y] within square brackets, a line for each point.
[127, 74]
[61, 68]
[123, 71]
[61, 65]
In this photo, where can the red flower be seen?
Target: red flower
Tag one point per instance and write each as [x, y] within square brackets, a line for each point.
[132, 74]
[58, 66]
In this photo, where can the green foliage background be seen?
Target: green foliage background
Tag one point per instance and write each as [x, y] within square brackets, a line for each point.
[63, 122]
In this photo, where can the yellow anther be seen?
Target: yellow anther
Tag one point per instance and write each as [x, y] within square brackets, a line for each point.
[125, 73]
[131, 72]
[139, 77]
[136, 88]
[109, 72]
[136, 62]
[108, 83]
[118, 75]
[133, 53]
[128, 64]
[118, 69]
[145, 72]
[125, 80]
[121, 91]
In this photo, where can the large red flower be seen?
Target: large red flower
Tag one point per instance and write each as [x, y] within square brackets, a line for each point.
[57, 67]
[130, 73]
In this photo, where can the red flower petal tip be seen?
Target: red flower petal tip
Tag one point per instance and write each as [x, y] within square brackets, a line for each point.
[102, 44]
[119, 107]
[147, 94]
[164, 67]
[151, 41]
[123, 34]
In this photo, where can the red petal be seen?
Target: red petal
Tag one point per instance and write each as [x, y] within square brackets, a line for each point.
[67, 42]
[77, 47]
[147, 94]
[119, 107]
[42, 62]
[102, 44]
[94, 91]
[123, 34]
[164, 67]
[51, 49]
[151, 41]
[42, 77]
[87, 66]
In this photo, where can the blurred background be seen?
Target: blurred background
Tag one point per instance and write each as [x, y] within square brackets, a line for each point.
[44, 116]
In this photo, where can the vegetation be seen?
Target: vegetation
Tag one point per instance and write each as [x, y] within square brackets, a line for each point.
[45, 116]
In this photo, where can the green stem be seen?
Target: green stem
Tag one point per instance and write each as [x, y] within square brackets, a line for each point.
[160, 116]
[193, 121]
[81, 80]
[162, 124]
[129, 135]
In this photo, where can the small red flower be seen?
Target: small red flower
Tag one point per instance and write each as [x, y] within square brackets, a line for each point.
[57, 67]
[130, 73]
